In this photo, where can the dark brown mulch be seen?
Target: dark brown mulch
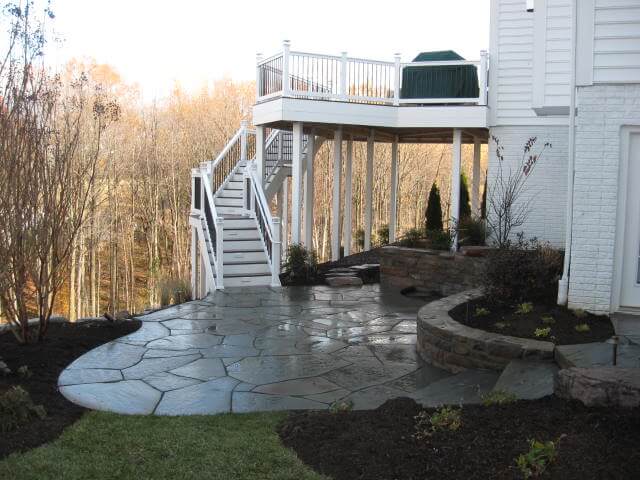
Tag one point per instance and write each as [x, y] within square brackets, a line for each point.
[508, 322]
[379, 444]
[370, 256]
[64, 343]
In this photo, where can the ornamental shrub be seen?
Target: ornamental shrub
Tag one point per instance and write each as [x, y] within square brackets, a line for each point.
[433, 214]
[17, 408]
[465, 204]
[523, 271]
[301, 264]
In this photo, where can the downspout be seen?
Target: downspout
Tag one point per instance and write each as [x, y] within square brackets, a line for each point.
[563, 284]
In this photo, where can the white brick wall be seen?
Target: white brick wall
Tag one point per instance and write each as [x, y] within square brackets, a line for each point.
[602, 111]
[547, 186]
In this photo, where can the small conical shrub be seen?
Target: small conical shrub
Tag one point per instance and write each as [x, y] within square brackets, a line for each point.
[433, 215]
[465, 205]
[483, 205]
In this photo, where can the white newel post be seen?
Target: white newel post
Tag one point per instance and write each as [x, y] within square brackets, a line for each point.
[296, 179]
[475, 185]
[398, 72]
[258, 76]
[309, 191]
[456, 161]
[276, 255]
[393, 197]
[260, 153]
[343, 76]
[286, 88]
[220, 252]
[482, 78]
[348, 199]
[335, 208]
[368, 192]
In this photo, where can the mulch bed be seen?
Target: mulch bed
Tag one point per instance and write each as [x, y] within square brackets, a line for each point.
[379, 444]
[505, 320]
[64, 343]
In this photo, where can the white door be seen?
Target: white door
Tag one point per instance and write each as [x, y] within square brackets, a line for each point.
[630, 281]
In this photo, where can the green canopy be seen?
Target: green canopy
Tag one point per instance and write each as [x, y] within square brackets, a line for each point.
[454, 81]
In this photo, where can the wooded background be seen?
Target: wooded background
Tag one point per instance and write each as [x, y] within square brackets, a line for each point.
[135, 236]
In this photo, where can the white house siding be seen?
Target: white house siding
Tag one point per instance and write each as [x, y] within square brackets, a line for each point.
[511, 73]
[546, 187]
[616, 45]
[602, 111]
[557, 52]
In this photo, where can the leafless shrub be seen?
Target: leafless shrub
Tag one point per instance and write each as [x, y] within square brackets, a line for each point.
[507, 209]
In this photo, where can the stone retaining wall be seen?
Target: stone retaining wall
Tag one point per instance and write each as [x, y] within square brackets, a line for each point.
[455, 347]
[433, 270]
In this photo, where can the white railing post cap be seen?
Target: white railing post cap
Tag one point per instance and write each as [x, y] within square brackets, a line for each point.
[397, 55]
[286, 43]
[344, 54]
[259, 56]
[244, 123]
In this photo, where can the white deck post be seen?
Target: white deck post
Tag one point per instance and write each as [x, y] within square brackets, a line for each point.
[243, 140]
[335, 209]
[260, 157]
[348, 199]
[286, 88]
[296, 187]
[194, 264]
[258, 76]
[368, 193]
[475, 186]
[456, 161]
[285, 216]
[482, 78]
[398, 74]
[343, 76]
[393, 197]
[276, 255]
[220, 252]
[309, 191]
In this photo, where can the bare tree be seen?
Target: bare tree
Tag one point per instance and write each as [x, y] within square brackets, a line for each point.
[43, 200]
[507, 207]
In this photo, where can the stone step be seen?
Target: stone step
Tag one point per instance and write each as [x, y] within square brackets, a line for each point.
[592, 355]
[527, 380]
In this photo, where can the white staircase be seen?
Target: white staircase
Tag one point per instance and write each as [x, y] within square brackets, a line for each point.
[235, 239]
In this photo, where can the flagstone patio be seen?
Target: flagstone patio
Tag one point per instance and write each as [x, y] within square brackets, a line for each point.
[255, 349]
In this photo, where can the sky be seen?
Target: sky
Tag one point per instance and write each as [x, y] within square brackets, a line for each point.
[156, 43]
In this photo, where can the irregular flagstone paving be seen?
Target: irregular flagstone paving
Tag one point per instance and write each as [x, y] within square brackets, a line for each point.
[255, 348]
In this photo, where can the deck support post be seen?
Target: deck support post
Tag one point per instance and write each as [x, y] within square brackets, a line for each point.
[194, 260]
[335, 209]
[393, 197]
[348, 199]
[296, 187]
[368, 192]
[475, 185]
[260, 157]
[456, 163]
[309, 191]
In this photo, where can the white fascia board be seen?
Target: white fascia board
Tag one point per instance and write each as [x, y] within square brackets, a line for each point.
[342, 113]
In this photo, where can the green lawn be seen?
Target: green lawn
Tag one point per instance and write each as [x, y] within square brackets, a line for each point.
[109, 446]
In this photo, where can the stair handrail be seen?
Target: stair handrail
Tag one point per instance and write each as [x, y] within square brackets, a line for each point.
[268, 225]
[218, 227]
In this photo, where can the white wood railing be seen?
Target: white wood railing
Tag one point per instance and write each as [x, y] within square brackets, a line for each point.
[256, 204]
[203, 206]
[346, 79]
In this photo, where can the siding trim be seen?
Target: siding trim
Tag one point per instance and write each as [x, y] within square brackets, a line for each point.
[585, 39]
